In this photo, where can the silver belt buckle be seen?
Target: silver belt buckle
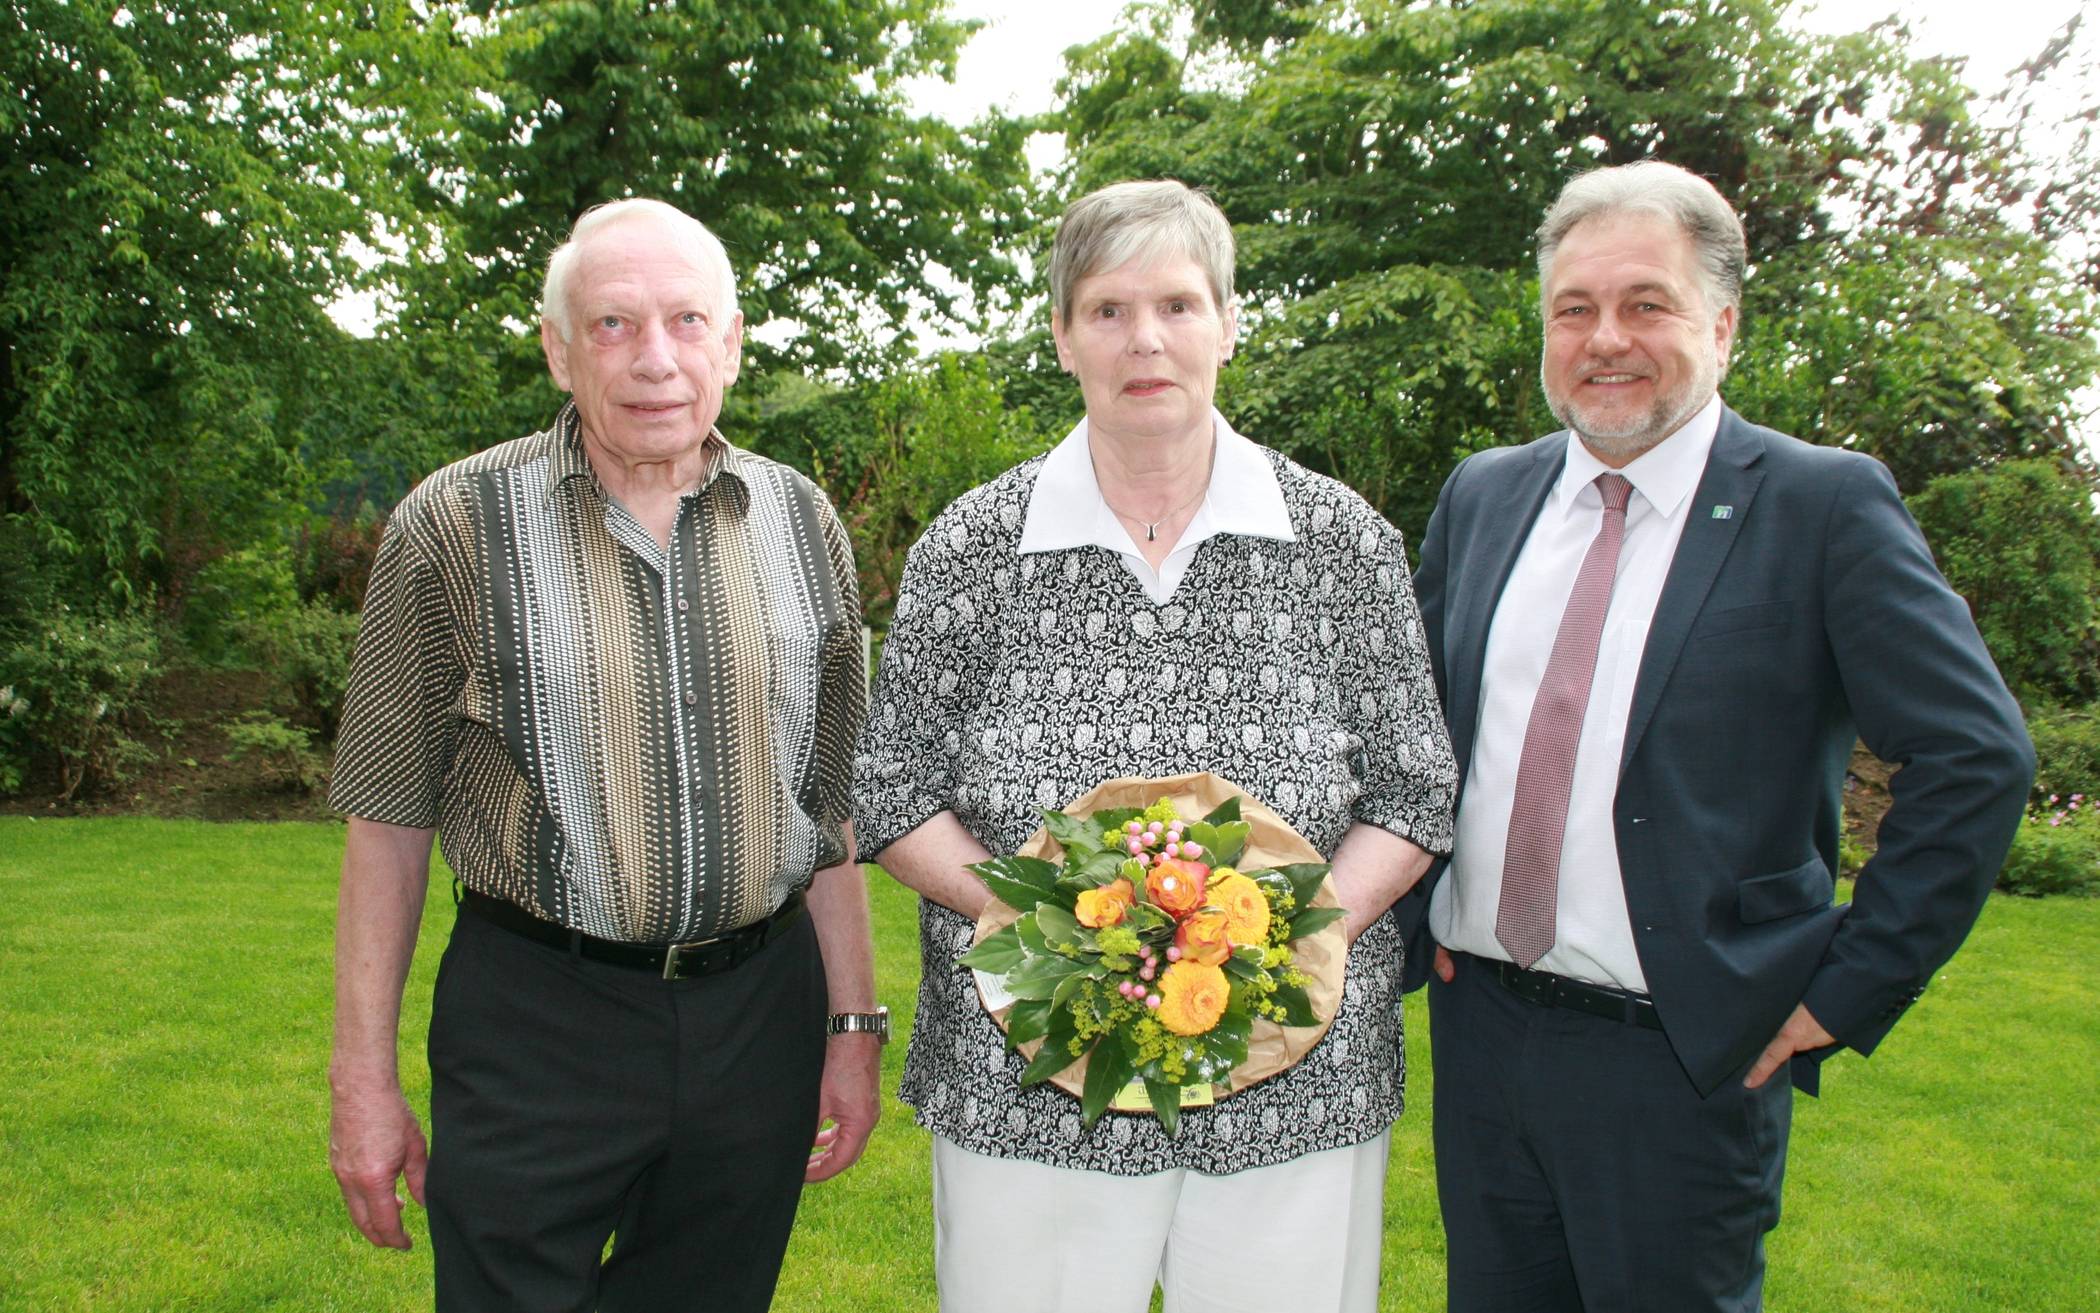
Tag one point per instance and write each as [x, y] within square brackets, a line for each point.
[672, 952]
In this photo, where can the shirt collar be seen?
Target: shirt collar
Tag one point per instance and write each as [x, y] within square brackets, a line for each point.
[572, 461]
[1664, 475]
[1066, 509]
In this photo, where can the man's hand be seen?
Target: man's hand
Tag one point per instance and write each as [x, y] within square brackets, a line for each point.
[1445, 968]
[1801, 1033]
[373, 1138]
[850, 1099]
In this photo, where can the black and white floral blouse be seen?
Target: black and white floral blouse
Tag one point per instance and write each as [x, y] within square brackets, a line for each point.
[1010, 683]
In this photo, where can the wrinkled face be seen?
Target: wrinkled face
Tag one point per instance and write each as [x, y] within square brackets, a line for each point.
[1145, 340]
[1632, 351]
[649, 353]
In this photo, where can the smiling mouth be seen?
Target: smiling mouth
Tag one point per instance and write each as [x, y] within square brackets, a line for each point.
[1146, 387]
[654, 407]
[1614, 378]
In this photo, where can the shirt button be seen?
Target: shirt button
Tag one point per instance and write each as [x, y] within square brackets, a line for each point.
[691, 698]
[683, 604]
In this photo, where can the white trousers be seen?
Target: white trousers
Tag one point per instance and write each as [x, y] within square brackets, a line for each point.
[1020, 1237]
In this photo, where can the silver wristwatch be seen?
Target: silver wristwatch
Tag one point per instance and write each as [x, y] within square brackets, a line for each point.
[876, 1023]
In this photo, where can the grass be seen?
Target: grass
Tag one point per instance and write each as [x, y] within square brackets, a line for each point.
[165, 990]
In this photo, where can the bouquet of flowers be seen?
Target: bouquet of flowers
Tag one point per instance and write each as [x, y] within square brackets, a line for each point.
[1162, 958]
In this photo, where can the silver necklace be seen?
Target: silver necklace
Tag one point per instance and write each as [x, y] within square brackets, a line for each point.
[1152, 526]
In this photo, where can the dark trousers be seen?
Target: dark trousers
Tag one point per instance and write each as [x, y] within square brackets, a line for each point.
[1580, 1172]
[573, 1101]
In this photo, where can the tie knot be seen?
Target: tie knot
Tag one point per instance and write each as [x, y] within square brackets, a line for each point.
[1617, 491]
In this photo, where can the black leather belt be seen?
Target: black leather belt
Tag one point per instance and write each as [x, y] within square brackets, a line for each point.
[1549, 990]
[701, 957]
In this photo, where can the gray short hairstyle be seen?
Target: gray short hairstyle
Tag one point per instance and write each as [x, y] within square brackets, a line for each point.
[700, 245]
[1667, 191]
[1128, 221]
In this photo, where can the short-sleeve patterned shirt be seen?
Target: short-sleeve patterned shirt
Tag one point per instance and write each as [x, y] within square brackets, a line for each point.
[1011, 683]
[643, 743]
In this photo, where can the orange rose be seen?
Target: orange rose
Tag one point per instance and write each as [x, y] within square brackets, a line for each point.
[1246, 909]
[1202, 938]
[1105, 906]
[1175, 886]
[1192, 997]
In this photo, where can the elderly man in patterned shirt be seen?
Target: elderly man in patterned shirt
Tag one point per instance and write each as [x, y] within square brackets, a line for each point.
[616, 666]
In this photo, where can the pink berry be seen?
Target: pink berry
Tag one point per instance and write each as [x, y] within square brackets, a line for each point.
[1173, 953]
[1134, 846]
[1151, 1000]
[1147, 971]
[1173, 849]
[1156, 827]
[1190, 848]
[1144, 859]
[1131, 827]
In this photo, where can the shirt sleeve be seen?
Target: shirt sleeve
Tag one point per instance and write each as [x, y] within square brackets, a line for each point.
[936, 657]
[842, 695]
[395, 747]
[1409, 779]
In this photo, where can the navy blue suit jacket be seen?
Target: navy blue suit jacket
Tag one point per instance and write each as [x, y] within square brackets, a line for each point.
[1802, 607]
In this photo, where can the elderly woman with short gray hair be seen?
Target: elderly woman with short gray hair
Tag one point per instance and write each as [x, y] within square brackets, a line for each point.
[1155, 595]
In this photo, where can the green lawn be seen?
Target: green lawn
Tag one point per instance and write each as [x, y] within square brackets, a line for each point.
[164, 994]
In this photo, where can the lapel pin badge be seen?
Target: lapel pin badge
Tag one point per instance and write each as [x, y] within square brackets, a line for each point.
[1724, 512]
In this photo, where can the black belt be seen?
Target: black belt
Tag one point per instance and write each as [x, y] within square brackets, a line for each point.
[1549, 990]
[701, 957]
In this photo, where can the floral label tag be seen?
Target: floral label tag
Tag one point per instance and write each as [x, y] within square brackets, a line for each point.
[1131, 1098]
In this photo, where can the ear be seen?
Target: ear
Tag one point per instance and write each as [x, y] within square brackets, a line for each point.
[1724, 335]
[733, 349]
[1057, 335]
[1229, 333]
[557, 354]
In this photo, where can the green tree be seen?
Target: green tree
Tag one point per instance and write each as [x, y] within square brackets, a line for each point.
[1385, 164]
[782, 125]
[2020, 543]
[181, 183]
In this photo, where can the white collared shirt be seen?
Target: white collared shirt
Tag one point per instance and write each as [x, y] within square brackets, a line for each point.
[1066, 509]
[1594, 939]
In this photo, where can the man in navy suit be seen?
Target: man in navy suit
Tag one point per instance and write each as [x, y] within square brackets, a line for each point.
[1657, 634]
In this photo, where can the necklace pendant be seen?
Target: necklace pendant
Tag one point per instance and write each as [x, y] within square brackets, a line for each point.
[1152, 532]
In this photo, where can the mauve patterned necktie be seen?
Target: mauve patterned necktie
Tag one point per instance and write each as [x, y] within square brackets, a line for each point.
[1524, 919]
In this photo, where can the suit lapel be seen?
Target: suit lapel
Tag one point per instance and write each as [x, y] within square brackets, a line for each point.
[1730, 482]
[1504, 522]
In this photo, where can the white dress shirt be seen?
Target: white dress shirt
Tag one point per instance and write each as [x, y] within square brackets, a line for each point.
[1066, 509]
[1594, 939]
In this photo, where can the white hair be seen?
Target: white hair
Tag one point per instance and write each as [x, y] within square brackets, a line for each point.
[1665, 190]
[702, 247]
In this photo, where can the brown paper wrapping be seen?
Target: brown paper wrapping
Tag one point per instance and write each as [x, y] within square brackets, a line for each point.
[1322, 955]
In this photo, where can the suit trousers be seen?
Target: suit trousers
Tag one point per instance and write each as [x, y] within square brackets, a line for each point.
[1580, 1171]
[574, 1102]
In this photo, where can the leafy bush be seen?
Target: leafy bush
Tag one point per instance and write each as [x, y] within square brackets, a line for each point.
[2020, 542]
[75, 689]
[231, 594]
[2067, 752]
[2056, 851]
[286, 751]
[305, 649]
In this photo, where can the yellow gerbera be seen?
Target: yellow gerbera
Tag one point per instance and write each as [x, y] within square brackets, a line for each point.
[1192, 997]
[1246, 910]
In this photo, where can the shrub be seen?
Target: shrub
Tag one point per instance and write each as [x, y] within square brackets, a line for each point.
[76, 689]
[305, 649]
[2055, 851]
[2020, 542]
[2067, 752]
[286, 751]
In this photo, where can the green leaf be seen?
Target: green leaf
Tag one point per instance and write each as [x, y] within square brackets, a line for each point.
[1058, 925]
[1315, 918]
[1055, 1055]
[1039, 977]
[1079, 837]
[1071, 984]
[1019, 882]
[1224, 813]
[1296, 1005]
[1166, 1105]
[1030, 1019]
[1227, 1042]
[1000, 952]
[1222, 844]
[1304, 878]
[1244, 964]
[1108, 1070]
[1115, 818]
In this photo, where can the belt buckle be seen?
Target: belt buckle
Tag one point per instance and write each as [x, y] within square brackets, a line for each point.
[672, 953]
